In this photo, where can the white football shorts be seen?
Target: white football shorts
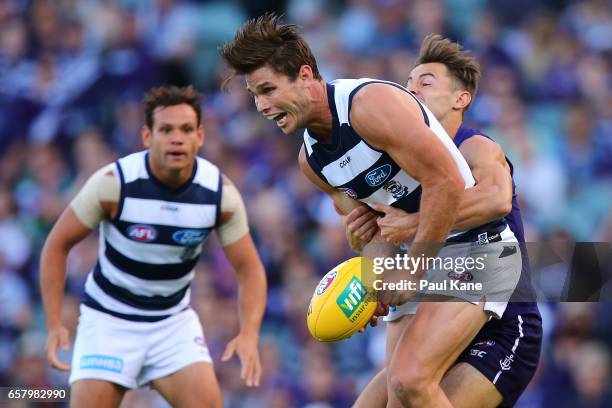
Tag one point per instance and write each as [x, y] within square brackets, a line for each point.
[132, 354]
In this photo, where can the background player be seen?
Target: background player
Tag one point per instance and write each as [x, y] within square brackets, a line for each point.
[446, 79]
[355, 128]
[155, 209]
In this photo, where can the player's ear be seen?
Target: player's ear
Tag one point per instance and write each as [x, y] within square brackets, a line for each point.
[463, 100]
[201, 135]
[145, 135]
[305, 72]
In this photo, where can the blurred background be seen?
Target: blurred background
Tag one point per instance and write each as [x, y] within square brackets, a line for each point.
[72, 75]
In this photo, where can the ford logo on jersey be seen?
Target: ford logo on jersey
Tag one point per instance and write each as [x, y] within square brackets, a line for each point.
[378, 176]
[142, 232]
[190, 237]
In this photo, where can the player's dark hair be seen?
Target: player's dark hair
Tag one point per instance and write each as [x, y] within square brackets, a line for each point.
[263, 41]
[169, 95]
[461, 65]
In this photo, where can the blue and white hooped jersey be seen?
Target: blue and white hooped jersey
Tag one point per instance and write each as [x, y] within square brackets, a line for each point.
[364, 173]
[149, 251]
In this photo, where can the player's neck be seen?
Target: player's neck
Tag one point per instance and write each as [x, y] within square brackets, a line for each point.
[171, 178]
[451, 123]
[321, 116]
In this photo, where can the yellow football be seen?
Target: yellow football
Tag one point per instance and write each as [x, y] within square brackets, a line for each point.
[342, 302]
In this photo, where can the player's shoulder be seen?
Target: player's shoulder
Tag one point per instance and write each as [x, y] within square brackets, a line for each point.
[345, 90]
[479, 147]
[132, 167]
[133, 158]
[345, 86]
[478, 139]
[207, 175]
[104, 176]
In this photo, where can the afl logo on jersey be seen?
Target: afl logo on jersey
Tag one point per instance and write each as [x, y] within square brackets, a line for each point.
[376, 177]
[142, 233]
[189, 237]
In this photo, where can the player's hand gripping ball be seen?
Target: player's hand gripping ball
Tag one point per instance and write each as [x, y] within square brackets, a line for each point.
[343, 301]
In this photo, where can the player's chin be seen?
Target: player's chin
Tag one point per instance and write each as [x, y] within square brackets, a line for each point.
[178, 162]
[289, 126]
[288, 129]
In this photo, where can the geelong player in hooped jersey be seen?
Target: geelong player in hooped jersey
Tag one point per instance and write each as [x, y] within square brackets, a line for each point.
[446, 78]
[370, 141]
[155, 209]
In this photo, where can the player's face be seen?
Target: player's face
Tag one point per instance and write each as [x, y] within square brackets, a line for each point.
[279, 98]
[432, 85]
[175, 138]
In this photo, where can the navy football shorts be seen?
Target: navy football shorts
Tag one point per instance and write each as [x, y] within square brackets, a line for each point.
[507, 352]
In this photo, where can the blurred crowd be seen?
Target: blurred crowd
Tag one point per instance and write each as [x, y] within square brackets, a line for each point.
[72, 75]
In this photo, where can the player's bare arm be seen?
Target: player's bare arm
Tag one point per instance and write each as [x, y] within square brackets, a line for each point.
[491, 197]
[239, 248]
[75, 223]
[67, 232]
[389, 119]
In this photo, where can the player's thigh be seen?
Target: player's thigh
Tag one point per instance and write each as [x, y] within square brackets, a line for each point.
[194, 386]
[466, 387]
[437, 335]
[86, 393]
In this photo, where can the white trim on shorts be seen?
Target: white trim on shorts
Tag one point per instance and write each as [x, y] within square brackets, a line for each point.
[516, 343]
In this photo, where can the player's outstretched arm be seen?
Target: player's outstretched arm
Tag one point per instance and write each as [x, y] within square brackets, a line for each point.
[66, 233]
[491, 198]
[97, 199]
[241, 253]
[391, 120]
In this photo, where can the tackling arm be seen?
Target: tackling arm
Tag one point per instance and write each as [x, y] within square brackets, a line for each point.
[491, 197]
[489, 200]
